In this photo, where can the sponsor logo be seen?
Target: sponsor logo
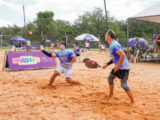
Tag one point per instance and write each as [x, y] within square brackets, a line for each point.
[26, 60]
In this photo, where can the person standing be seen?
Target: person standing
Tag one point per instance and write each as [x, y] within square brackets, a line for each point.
[52, 46]
[77, 51]
[12, 47]
[103, 47]
[131, 52]
[155, 35]
[122, 67]
[28, 45]
[136, 50]
[158, 44]
[87, 45]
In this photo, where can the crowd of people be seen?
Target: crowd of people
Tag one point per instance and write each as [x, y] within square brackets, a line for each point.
[138, 52]
[134, 51]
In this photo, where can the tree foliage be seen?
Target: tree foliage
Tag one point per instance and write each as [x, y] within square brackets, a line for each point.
[93, 22]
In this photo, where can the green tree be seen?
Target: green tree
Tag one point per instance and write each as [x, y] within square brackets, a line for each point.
[46, 25]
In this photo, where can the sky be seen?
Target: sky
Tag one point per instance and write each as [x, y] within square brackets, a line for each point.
[11, 11]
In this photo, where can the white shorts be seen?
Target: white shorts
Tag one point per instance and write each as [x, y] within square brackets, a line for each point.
[67, 72]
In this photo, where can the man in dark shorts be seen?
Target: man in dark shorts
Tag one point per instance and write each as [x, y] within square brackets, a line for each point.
[122, 67]
[77, 51]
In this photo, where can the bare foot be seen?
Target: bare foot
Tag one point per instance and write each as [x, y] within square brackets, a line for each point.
[108, 97]
[46, 86]
[76, 83]
[133, 104]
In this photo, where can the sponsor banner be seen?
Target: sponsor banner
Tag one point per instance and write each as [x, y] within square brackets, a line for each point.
[29, 60]
[33, 47]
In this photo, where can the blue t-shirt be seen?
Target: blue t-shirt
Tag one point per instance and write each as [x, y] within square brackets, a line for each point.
[114, 48]
[137, 46]
[12, 46]
[77, 50]
[65, 57]
[154, 37]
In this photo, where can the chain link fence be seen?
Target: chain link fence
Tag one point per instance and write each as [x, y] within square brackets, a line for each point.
[142, 29]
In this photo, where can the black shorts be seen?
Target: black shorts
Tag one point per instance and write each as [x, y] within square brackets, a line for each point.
[120, 73]
[158, 43]
[77, 55]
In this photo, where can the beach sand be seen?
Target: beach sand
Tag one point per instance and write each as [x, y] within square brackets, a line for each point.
[24, 95]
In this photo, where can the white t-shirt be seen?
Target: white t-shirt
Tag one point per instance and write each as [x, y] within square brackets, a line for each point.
[52, 44]
[28, 42]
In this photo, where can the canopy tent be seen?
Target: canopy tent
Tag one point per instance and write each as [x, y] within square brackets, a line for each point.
[18, 38]
[142, 42]
[151, 14]
[86, 37]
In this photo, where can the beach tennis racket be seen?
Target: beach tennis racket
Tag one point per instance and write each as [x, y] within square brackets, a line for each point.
[90, 63]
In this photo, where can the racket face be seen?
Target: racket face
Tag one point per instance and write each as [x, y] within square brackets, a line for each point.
[92, 64]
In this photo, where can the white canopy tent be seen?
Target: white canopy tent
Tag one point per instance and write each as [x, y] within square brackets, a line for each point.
[151, 14]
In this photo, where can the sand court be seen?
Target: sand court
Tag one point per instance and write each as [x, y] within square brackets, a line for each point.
[25, 94]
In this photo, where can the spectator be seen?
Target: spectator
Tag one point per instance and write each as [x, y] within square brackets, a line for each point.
[28, 45]
[12, 47]
[102, 47]
[52, 46]
[136, 50]
[131, 54]
[87, 45]
[158, 44]
[154, 39]
[77, 51]
[19, 44]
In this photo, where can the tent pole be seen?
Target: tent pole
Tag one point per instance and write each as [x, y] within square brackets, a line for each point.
[25, 34]
[127, 33]
[105, 7]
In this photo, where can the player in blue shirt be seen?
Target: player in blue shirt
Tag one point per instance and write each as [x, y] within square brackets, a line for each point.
[77, 51]
[67, 58]
[121, 63]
